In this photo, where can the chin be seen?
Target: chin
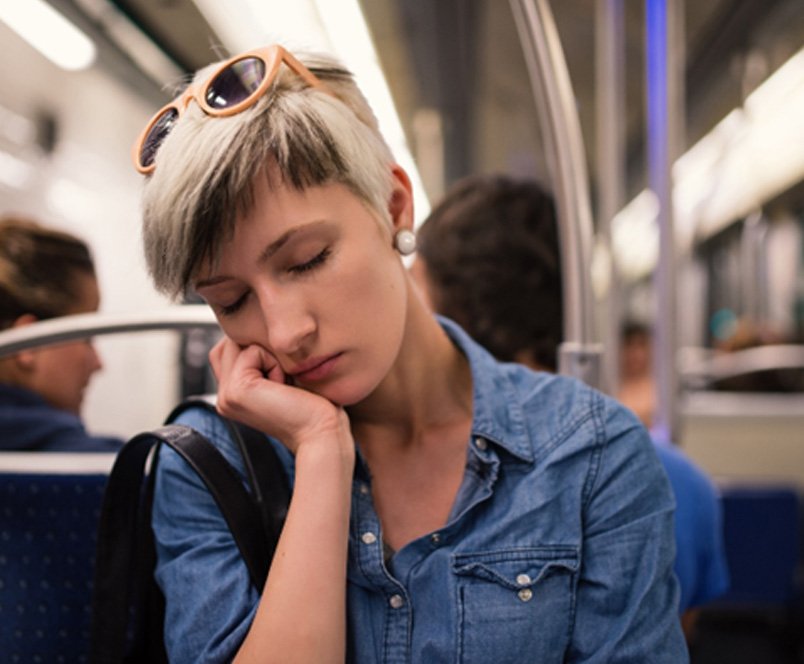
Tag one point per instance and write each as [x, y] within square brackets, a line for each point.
[344, 394]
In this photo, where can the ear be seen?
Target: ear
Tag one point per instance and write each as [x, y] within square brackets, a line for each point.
[400, 205]
[25, 359]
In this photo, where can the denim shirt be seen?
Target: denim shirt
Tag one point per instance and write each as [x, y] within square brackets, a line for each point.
[559, 546]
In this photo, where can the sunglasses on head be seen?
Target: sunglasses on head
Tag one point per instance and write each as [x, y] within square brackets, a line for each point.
[234, 86]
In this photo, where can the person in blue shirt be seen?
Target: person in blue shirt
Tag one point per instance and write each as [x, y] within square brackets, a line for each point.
[700, 550]
[45, 273]
[445, 507]
[489, 259]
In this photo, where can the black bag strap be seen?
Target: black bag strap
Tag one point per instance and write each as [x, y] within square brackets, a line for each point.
[266, 477]
[122, 541]
[125, 543]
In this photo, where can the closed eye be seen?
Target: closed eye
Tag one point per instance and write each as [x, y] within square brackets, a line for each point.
[313, 263]
[234, 307]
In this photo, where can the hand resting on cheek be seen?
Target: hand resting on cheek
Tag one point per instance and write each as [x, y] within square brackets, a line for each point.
[253, 389]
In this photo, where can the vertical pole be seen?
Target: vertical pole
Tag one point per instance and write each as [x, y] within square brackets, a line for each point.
[664, 122]
[610, 139]
[579, 355]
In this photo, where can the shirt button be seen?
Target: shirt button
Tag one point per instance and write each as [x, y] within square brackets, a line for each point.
[526, 594]
[396, 601]
[481, 443]
[368, 538]
[523, 579]
[435, 538]
[364, 489]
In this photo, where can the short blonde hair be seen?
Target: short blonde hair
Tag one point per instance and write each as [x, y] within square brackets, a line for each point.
[206, 166]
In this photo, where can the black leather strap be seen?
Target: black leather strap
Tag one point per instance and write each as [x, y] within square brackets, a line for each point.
[120, 540]
[239, 509]
[267, 480]
[125, 554]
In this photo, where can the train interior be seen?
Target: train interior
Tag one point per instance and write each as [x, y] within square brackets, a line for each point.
[454, 91]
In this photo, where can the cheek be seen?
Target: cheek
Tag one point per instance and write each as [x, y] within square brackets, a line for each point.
[373, 290]
[246, 327]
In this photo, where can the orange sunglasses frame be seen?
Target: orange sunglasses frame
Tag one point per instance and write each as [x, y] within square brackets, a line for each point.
[272, 56]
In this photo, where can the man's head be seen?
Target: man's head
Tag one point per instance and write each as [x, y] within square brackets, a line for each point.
[489, 257]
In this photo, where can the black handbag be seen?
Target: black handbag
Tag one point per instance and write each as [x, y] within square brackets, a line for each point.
[128, 609]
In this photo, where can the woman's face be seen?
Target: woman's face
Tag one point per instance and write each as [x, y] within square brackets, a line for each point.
[313, 278]
[61, 373]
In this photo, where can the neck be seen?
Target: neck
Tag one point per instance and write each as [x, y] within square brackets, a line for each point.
[429, 386]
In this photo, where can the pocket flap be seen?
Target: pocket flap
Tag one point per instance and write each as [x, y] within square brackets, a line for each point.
[516, 568]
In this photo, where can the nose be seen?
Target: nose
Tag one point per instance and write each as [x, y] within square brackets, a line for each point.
[94, 362]
[287, 322]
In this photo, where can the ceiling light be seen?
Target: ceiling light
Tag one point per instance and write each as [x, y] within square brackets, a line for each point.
[50, 33]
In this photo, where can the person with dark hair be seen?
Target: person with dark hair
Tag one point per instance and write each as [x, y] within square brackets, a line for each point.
[46, 273]
[477, 253]
[489, 257]
[636, 388]
[445, 506]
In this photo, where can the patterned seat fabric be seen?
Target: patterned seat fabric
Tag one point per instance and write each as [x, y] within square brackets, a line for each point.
[48, 528]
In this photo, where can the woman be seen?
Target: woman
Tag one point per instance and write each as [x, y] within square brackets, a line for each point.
[46, 273]
[445, 507]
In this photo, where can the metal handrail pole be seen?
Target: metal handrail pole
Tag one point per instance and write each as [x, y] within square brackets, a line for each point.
[579, 356]
[82, 326]
[611, 173]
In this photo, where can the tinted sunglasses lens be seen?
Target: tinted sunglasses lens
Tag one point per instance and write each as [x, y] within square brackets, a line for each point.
[235, 83]
[161, 128]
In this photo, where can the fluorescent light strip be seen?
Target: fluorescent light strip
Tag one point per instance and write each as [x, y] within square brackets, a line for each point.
[14, 173]
[49, 32]
[749, 157]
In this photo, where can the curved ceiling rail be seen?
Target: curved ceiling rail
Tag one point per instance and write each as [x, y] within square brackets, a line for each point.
[701, 367]
[579, 356]
[83, 326]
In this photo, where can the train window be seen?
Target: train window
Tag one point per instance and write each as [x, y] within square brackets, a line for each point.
[753, 306]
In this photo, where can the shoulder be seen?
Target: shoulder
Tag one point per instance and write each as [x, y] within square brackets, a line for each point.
[214, 428]
[561, 407]
[688, 480]
[27, 422]
[217, 431]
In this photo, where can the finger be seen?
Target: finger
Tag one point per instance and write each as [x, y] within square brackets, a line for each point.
[215, 357]
[222, 356]
[257, 358]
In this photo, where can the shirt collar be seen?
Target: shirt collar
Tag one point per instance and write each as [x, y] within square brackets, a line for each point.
[497, 408]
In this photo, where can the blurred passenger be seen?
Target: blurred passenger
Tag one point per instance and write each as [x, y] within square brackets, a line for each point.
[700, 557]
[476, 255]
[45, 273]
[445, 506]
[488, 257]
[637, 389]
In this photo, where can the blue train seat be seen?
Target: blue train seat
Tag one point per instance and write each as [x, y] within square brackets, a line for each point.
[47, 547]
[762, 539]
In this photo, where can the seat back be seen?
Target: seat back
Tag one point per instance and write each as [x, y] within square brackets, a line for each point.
[762, 540]
[47, 550]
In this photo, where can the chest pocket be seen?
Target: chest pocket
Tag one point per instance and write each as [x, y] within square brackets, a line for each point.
[514, 605]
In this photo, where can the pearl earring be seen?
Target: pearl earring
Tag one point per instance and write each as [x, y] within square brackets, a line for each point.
[405, 242]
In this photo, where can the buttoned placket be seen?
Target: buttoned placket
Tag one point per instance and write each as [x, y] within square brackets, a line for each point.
[368, 549]
[482, 467]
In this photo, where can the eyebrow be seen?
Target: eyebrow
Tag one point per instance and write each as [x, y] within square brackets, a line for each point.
[268, 252]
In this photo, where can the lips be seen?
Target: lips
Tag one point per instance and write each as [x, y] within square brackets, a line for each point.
[315, 369]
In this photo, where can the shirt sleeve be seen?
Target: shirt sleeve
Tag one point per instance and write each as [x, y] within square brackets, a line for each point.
[210, 601]
[627, 594]
[714, 568]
